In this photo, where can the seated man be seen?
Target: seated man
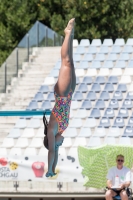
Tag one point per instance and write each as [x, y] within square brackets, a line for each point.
[122, 175]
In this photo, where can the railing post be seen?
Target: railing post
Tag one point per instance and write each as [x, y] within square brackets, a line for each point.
[5, 75]
[28, 46]
[54, 40]
[37, 34]
[17, 60]
[46, 33]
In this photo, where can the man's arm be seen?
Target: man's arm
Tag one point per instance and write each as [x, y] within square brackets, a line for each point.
[109, 183]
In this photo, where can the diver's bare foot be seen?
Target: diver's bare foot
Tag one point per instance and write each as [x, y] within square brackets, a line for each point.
[70, 26]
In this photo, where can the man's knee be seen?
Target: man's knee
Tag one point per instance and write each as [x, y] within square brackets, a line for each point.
[66, 61]
[123, 195]
[108, 193]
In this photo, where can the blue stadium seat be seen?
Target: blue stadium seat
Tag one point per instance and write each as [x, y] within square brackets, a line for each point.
[82, 87]
[112, 57]
[113, 104]
[109, 87]
[108, 64]
[116, 49]
[128, 132]
[96, 64]
[84, 65]
[86, 104]
[96, 87]
[107, 42]
[127, 49]
[91, 96]
[100, 104]
[105, 122]
[88, 80]
[130, 64]
[51, 97]
[54, 73]
[84, 43]
[109, 113]
[80, 50]
[104, 96]
[95, 113]
[130, 121]
[32, 105]
[104, 49]
[100, 57]
[129, 95]
[100, 79]
[44, 89]
[76, 57]
[77, 80]
[113, 79]
[92, 50]
[39, 97]
[120, 64]
[57, 65]
[88, 57]
[124, 56]
[127, 103]
[78, 96]
[46, 105]
[123, 112]
[122, 88]
[118, 95]
[119, 41]
[96, 42]
[119, 122]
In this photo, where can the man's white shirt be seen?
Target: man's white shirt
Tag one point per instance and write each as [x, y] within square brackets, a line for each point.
[124, 174]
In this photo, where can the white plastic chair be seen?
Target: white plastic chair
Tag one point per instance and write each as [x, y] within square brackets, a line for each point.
[34, 123]
[75, 123]
[94, 142]
[104, 72]
[28, 133]
[16, 151]
[3, 151]
[116, 72]
[91, 72]
[90, 122]
[81, 113]
[80, 72]
[125, 141]
[128, 72]
[85, 132]
[40, 133]
[109, 140]
[79, 141]
[75, 43]
[21, 123]
[67, 142]
[99, 132]
[49, 81]
[22, 142]
[8, 143]
[125, 79]
[36, 142]
[30, 151]
[74, 105]
[70, 132]
[114, 132]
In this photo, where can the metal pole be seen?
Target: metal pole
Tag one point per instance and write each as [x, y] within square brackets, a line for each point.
[5, 75]
[17, 60]
[37, 34]
[46, 31]
[28, 46]
[54, 40]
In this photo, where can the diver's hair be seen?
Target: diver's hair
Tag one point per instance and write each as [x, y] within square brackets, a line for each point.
[45, 124]
[45, 141]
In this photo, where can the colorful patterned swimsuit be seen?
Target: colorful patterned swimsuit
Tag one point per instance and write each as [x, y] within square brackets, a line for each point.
[61, 110]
